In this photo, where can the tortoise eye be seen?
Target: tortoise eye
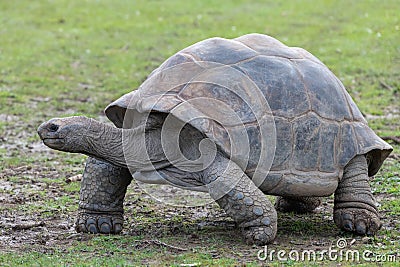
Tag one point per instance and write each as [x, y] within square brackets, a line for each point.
[53, 127]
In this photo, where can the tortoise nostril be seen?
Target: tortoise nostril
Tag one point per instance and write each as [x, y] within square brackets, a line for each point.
[53, 127]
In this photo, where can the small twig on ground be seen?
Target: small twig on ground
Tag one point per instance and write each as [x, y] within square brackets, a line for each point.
[27, 225]
[160, 244]
[73, 236]
[384, 85]
[75, 178]
[22, 168]
[395, 139]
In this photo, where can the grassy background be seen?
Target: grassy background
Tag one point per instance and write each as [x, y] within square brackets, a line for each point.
[59, 58]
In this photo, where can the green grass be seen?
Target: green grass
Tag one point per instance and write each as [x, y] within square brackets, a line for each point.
[59, 58]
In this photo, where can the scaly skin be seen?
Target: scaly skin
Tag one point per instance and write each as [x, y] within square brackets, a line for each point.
[297, 204]
[354, 208]
[245, 203]
[102, 193]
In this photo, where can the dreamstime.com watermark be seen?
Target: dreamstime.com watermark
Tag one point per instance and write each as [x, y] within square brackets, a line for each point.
[340, 252]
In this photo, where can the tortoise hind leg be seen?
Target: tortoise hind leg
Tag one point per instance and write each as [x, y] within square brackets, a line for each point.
[234, 192]
[297, 204]
[354, 208]
[103, 189]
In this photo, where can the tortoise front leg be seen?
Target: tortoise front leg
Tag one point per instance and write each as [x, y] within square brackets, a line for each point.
[234, 192]
[354, 208]
[102, 193]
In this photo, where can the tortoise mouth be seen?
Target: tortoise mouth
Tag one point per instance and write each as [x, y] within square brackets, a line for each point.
[54, 142]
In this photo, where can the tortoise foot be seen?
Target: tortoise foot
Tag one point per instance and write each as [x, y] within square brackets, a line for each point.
[99, 223]
[259, 235]
[359, 221]
[297, 204]
[260, 231]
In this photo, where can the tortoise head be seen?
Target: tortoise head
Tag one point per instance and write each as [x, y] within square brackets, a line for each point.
[65, 134]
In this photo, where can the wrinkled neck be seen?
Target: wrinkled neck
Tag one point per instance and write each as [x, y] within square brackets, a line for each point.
[109, 143]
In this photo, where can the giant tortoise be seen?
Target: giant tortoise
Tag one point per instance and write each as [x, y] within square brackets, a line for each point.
[237, 118]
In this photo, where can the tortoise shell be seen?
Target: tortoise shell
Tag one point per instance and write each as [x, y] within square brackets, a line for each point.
[264, 104]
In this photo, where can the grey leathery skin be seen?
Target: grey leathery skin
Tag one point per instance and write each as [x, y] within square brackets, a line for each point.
[355, 210]
[245, 203]
[297, 204]
[102, 193]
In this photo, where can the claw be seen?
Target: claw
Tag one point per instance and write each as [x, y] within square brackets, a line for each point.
[259, 235]
[359, 221]
[92, 229]
[105, 228]
[99, 223]
[117, 228]
[348, 225]
[104, 225]
[361, 228]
